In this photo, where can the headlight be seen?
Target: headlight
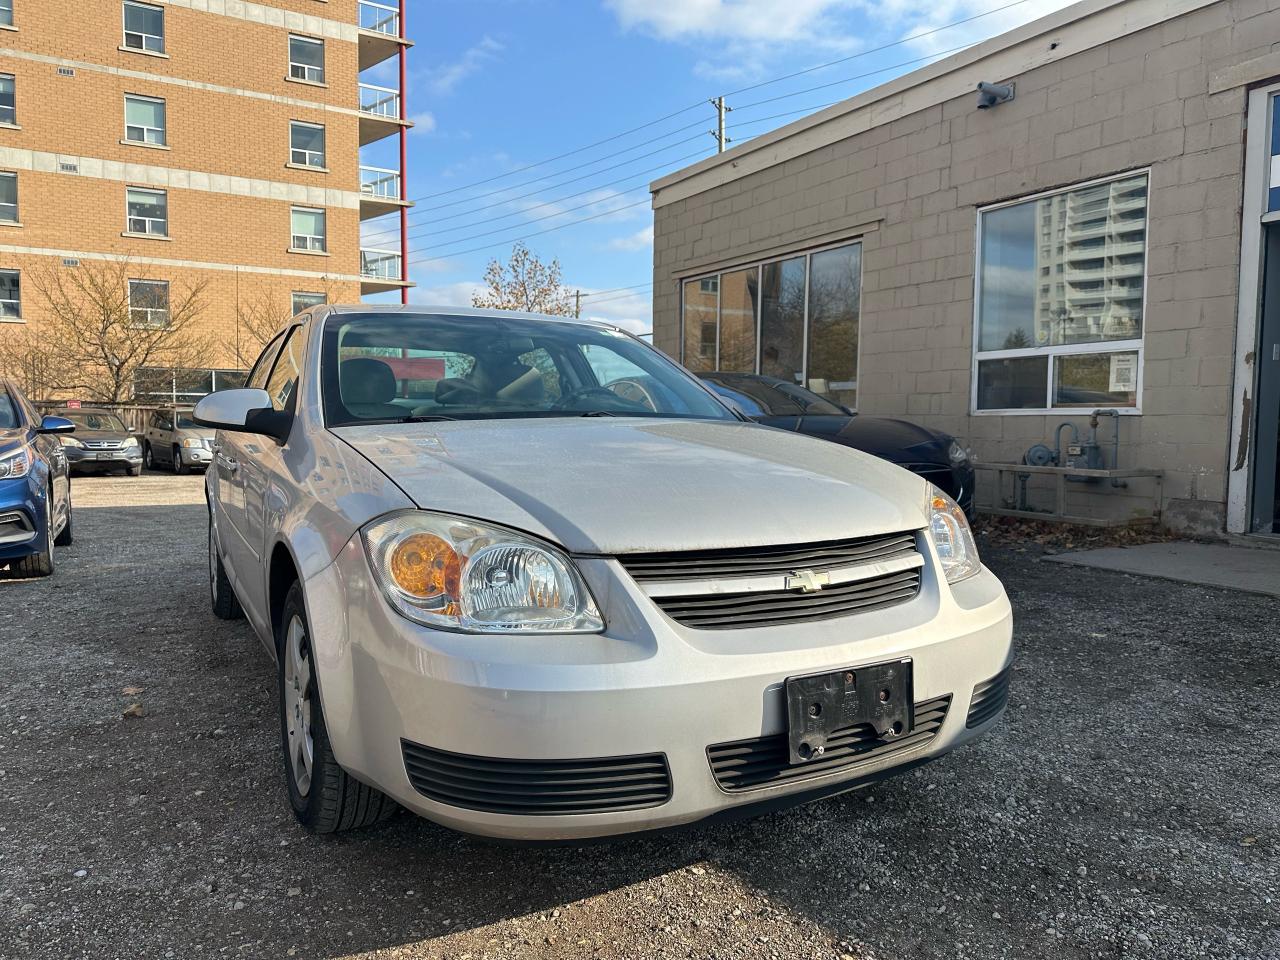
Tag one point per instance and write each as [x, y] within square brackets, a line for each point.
[130, 442]
[452, 573]
[951, 536]
[69, 441]
[193, 442]
[15, 464]
[957, 454]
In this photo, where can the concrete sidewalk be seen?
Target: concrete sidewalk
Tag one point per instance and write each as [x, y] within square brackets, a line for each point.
[1207, 564]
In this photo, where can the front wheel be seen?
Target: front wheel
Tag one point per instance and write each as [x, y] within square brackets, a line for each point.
[179, 465]
[324, 797]
[64, 535]
[223, 598]
[134, 471]
[148, 458]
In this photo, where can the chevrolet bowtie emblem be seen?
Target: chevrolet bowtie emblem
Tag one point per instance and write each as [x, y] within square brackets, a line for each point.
[807, 581]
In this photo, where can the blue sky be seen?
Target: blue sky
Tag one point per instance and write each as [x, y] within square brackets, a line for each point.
[497, 87]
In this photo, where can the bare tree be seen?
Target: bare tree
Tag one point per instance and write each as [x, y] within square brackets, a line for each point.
[106, 321]
[525, 283]
[25, 356]
[259, 318]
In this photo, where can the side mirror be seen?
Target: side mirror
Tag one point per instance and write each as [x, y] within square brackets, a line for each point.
[243, 411]
[56, 425]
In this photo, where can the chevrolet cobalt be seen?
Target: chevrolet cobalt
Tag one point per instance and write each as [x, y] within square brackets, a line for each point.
[531, 579]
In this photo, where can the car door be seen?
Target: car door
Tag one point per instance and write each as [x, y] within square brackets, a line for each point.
[49, 449]
[225, 485]
[258, 458]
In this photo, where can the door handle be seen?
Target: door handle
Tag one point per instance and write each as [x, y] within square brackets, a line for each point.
[231, 466]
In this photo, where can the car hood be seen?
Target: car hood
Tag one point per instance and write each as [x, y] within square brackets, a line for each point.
[81, 433]
[898, 440]
[614, 485]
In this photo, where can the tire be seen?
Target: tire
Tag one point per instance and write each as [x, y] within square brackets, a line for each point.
[134, 471]
[39, 564]
[179, 465]
[148, 459]
[222, 598]
[64, 535]
[324, 797]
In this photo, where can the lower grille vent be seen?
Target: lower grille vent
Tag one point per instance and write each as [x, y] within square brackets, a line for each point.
[989, 699]
[538, 787]
[765, 761]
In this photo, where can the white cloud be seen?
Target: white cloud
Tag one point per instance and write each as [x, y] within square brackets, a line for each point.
[756, 20]
[444, 78]
[632, 312]
[424, 122]
[640, 240]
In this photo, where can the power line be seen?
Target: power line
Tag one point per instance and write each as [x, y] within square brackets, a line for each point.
[527, 236]
[600, 293]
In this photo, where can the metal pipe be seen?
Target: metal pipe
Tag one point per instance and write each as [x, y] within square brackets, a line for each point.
[1115, 440]
[1057, 440]
[404, 173]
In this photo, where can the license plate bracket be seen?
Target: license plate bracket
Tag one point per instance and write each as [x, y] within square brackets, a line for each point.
[879, 695]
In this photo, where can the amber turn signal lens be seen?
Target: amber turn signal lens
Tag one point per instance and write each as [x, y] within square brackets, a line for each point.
[425, 566]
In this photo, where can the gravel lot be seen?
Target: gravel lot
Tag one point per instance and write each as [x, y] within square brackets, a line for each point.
[1128, 806]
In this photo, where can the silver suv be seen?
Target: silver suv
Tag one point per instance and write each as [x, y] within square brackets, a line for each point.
[173, 439]
[529, 578]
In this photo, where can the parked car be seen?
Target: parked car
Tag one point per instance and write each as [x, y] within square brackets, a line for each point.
[102, 443]
[174, 439]
[938, 457]
[505, 596]
[35, 485]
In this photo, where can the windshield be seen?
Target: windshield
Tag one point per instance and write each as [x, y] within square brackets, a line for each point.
[186, 423]
[402, 367]
[94, 420]
[769, 397]
[8, 411]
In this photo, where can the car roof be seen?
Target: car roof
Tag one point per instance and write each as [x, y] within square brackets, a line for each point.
[418, 310]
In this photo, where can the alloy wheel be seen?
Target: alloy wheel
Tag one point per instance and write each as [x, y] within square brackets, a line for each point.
[297, 704]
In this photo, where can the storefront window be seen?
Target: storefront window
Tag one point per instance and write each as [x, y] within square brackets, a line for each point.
[1057, 273]
[723, 312]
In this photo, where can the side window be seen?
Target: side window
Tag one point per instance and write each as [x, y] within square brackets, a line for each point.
[257, 378]
[282, 385]
[546, 370]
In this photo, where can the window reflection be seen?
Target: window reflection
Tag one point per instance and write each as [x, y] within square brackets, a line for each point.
[700, 326]
[834, 286]
[782, 320]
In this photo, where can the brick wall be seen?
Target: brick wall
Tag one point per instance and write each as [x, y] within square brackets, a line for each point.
[911, 189]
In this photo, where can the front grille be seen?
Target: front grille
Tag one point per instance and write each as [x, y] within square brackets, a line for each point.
[103, 444]
[989, 698]
[763, 561]
[765, 761]
[538, 787]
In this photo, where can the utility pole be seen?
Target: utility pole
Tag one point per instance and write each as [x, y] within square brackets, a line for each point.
[577, 304]
[721, 109]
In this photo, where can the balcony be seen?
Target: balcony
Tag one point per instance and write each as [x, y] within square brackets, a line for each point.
[379, 113]
[380, 192]
[380, 271]
[379, 32]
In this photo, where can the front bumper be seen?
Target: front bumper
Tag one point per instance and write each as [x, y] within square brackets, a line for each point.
[22, 512]
[83, 459]
[647, 688]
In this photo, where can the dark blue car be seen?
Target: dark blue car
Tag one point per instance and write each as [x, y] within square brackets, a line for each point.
[35, 486]
[934, 455]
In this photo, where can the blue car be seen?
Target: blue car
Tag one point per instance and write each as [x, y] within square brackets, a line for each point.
[35, 486]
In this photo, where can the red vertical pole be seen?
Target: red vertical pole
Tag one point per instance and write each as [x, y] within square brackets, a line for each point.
[404, 172]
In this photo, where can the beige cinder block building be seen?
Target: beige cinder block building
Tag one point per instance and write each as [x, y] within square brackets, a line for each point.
[1107, 238]
[214, 140]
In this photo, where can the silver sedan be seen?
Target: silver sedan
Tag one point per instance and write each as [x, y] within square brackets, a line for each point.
[529, 578]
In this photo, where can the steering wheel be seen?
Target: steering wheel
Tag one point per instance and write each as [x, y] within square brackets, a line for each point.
[612, 400]
[633, 391]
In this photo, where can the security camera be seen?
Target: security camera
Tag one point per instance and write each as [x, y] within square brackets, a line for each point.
[990, 94]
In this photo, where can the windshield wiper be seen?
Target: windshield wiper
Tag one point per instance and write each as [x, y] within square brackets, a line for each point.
[597, 413]
[426, 418]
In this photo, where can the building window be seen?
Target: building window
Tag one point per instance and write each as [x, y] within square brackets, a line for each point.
[182, 385]
[10, 295]
[6, 13]
[144, 120]
[306, 59]
[8, 198]
[8, 99]
[301, 301]
[148, 211]
[1076, 342]
[308, 231]
[758, 319]
[143, 27]
[306, 144]
[149, 303]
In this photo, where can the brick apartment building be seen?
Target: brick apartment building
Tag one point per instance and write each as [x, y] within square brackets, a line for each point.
[222, 141]
[1107, 238]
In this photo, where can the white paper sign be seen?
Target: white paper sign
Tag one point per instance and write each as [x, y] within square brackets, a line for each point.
[1124, 373]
